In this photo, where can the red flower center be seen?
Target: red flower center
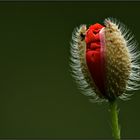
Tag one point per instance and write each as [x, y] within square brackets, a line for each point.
[95, 56]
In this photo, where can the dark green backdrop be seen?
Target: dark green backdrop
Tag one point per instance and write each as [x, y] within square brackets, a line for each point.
[38, 98]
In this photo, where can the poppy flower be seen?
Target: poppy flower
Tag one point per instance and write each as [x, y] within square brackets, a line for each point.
[105, 60]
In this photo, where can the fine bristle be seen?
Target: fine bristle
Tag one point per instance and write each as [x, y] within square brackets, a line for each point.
[129, 56]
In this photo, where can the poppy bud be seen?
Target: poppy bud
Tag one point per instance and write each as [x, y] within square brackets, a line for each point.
[104, 60]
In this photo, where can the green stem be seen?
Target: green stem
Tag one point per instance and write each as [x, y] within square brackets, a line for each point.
[114, 120]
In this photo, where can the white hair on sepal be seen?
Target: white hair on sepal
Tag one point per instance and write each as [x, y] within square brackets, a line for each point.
[97, 100]
[78, 64]
[125, 96]
[134, 79]
[132, 45]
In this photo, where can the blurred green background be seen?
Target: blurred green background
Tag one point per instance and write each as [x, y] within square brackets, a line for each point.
[38, 97]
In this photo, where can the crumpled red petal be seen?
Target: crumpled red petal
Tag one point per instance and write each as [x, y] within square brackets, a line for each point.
[94, 56]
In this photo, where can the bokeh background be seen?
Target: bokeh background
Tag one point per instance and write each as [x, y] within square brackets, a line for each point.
[38, 97]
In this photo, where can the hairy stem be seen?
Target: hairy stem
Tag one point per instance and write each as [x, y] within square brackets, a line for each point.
[114, 120]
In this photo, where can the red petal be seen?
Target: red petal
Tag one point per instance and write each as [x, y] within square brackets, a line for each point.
[94, 56]
[94, 46]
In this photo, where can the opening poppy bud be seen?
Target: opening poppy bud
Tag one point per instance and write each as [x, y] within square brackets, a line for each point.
[104, 60]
